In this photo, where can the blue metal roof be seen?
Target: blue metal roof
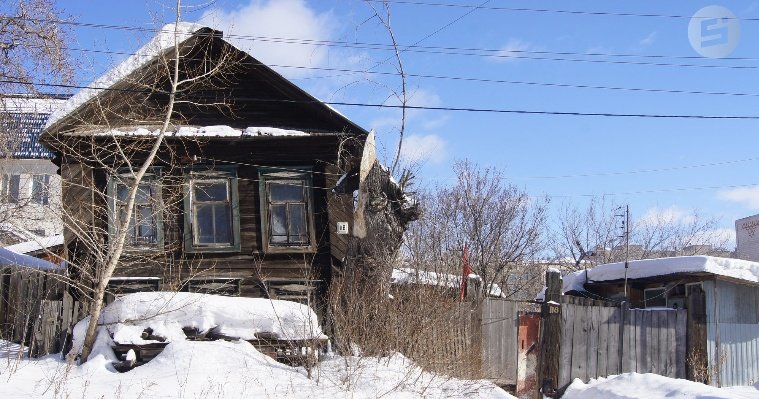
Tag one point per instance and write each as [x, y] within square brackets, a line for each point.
[24, 130]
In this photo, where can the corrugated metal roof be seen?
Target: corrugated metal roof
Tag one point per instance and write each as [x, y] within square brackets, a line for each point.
[24, 130]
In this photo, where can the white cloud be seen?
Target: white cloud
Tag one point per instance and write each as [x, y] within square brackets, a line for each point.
[512, 50]
[748, 196]
[422, 148]
[648, 40]
[671, 215]
[289, 19]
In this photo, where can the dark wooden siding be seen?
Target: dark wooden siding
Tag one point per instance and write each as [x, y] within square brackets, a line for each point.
[251, 265]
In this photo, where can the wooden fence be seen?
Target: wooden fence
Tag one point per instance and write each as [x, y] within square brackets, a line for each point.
[599, 339]
[500, 326]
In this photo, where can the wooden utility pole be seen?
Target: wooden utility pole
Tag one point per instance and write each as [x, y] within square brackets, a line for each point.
[550, 336]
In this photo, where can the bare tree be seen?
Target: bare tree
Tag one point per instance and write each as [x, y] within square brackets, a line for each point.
[97, 248]
[500, 224]
[595, 234]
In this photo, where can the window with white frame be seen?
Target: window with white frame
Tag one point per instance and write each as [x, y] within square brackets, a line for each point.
[41, 189]
[11, 188]
[286, 209]
[145, 224]
[212, 218]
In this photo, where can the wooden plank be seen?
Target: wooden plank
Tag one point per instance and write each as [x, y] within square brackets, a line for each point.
[662, 345]
[565, 354]
[681, 325]
[613, 341]
[580, 344]
[605, 314]
[592, 338]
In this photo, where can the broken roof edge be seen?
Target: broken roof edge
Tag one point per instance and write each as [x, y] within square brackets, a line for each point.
[158, 45]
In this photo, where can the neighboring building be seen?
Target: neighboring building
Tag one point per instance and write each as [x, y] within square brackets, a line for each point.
[731, 290]
[29, 185]
[239, 200]
[747, 238]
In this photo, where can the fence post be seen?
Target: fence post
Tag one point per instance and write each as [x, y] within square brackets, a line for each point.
[696, 361]
[550, 336]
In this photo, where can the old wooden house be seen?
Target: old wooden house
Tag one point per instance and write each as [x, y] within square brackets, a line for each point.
[239, 200]
[727, 291]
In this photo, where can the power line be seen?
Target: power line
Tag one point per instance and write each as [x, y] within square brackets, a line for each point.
[462, 51]
[545, 10]
[437, 108]
[460, 78]
[599, 174]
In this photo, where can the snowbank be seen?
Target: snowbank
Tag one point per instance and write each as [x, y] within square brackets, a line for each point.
[646, 386]
[220, 369]
[166, 313]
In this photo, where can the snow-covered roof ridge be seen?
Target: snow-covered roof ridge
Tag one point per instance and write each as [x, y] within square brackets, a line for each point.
[161, 42]
[206, 131]
[406, 275]
[36, 244]
[28, 104]
[12, 259]
[727, 267]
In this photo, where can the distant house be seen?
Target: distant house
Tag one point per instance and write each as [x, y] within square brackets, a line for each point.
[747, 238]
[29, 185]
[441, 283]
[240, 200]
[730, 288]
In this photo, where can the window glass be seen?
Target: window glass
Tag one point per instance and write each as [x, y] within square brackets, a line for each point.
[655, 297]
[212, 213]
[14, 188]
[40, 189]
[143, 222]
[287, 207]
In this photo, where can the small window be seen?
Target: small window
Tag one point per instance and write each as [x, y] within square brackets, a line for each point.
[286, 209]
[655, 297]
[11, 188]
[212, 219]
[145, 222]
[41, 189]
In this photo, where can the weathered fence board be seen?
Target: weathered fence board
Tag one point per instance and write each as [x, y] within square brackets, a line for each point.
[594, 337]
[500, 329]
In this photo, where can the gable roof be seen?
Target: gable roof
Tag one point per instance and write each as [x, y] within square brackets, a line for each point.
[23, 119]
[274, 90]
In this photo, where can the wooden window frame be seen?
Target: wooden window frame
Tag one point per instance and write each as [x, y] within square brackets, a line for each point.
[663, 296]
[210, 174]
[272, 174]
[151, 178]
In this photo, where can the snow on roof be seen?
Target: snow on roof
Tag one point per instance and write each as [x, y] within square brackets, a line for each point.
[422, 277]
[727, 267]
[163, 41]
[166, 313]
[9, 258]
[207, 131]
[36, 244]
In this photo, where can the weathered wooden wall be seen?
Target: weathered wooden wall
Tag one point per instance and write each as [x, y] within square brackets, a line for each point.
[599, 340]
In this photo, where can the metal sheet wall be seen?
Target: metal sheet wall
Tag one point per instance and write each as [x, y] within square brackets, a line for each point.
[737, 355]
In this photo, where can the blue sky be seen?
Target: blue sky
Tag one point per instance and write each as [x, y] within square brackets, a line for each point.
[543, 154]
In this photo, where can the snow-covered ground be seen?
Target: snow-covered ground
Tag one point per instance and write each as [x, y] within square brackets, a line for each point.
[650, 386]
[218, 369]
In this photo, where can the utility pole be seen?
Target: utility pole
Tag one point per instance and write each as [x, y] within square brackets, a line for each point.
[626, 235]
